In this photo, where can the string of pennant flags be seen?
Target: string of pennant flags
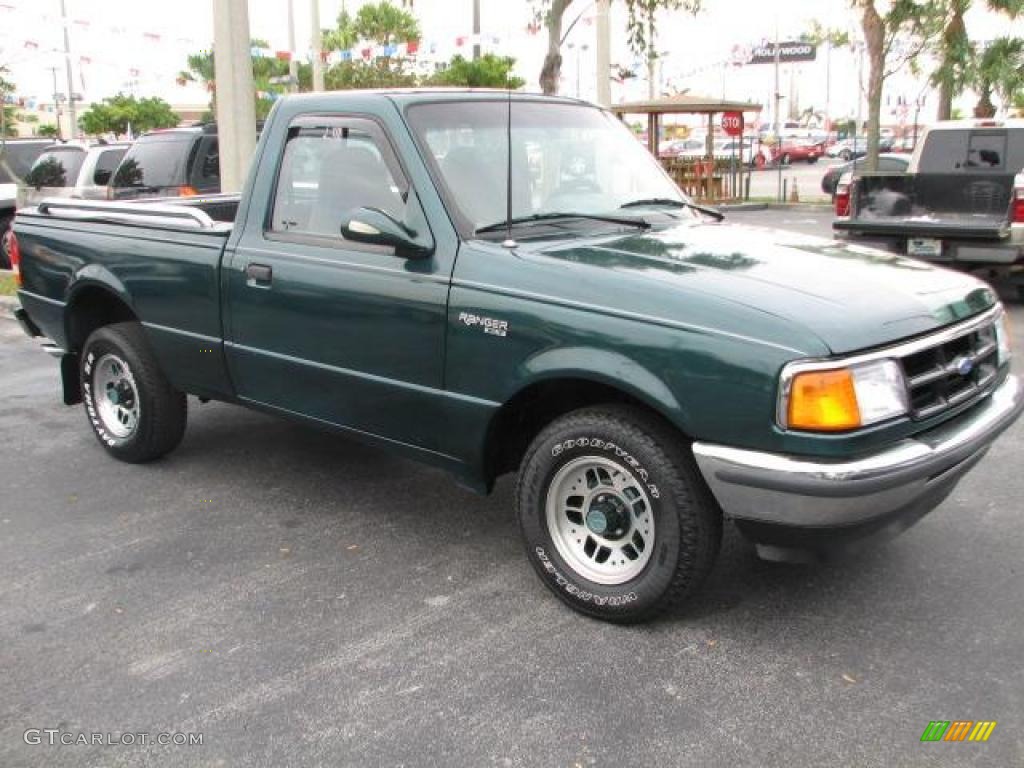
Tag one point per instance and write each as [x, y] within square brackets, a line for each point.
[369, 52]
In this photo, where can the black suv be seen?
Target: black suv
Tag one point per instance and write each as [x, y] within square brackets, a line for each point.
[171, 163]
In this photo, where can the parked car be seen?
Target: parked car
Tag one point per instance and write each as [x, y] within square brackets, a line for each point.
[169, 163]
[394, 271]
[16, 160]
[72, 170]
[888, 163]
[681, 147]
[848, 149]
[798, 150]
[960, 203]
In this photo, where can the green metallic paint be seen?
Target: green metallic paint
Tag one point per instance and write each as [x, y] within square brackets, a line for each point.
[695, 319]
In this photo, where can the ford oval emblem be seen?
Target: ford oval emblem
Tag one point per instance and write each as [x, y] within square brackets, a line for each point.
[963, 366]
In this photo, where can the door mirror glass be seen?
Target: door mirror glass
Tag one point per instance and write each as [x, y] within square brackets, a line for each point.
[374, 226]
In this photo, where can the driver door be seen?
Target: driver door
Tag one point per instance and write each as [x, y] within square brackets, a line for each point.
[344, 332]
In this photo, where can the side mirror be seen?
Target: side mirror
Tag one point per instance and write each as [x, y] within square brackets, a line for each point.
[374, 226]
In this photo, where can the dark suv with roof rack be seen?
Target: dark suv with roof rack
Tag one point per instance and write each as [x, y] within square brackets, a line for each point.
[178, 162]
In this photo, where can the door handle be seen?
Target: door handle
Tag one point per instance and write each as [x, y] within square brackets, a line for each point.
[259, 275]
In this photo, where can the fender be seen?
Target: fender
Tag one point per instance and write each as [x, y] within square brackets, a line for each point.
[97, 275]
[604, 367]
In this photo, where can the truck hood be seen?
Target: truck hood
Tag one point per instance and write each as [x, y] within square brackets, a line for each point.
[850, 296]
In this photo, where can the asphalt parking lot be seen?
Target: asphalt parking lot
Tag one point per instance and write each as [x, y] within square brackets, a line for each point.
[302, 600]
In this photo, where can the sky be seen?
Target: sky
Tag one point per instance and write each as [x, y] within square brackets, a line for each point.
[139, 46]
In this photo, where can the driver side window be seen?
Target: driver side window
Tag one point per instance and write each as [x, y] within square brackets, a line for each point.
[328, 171]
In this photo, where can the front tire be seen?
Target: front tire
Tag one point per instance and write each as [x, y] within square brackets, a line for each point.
[614, 515]
[133, 410]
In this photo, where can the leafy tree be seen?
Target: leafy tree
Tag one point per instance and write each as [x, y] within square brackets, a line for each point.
[121, 112]
[48, 131]
[201, 70]
[381, 24]
[489, 71]
[384, 24]
[641, 28]
[956, 54]
[893, 40]
[1000, 70]
[10, 115]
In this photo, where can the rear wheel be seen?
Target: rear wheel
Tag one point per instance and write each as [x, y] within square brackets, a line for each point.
[785, 159]
[133, 410]
[615, 518]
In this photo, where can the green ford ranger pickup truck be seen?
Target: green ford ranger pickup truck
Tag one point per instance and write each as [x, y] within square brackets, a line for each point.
[494, 283]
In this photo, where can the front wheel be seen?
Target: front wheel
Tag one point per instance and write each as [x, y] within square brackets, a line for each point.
[133, 410]
[615, 517]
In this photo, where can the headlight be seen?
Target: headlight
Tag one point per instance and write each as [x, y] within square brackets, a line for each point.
[1003, 338]
[843, 398]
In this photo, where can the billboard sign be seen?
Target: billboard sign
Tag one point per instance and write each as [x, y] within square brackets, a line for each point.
[789, 53]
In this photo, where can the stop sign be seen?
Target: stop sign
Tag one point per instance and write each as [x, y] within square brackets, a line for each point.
[732, 123]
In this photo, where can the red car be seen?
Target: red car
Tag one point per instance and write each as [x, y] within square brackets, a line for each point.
[793, 150]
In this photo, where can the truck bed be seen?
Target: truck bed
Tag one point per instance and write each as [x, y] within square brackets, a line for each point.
[939, 205]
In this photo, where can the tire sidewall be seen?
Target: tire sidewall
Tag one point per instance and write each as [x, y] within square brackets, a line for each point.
[652, 470]
[100, 343]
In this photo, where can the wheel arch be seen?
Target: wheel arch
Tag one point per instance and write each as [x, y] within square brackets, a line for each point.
[93, 304]
[557, 390]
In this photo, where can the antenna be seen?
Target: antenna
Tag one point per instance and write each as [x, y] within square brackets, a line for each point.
[509, 241]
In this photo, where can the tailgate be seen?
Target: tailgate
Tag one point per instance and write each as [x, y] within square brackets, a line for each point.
[962, 206]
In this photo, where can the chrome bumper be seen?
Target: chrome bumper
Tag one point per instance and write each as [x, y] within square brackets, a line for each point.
[914, 475]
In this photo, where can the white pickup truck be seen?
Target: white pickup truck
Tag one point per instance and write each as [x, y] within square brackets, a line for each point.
[961, 202]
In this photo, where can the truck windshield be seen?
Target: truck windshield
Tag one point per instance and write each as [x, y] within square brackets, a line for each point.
[566, 159]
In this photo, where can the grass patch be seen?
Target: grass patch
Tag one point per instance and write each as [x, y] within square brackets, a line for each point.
[7, 286]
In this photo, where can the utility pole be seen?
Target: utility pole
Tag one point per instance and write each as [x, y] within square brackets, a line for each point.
[293, 64]
[603, 54]
[778, 106]
[316, 44]
[236, 98]
[56, 103]
[72, 127]
[476, 29]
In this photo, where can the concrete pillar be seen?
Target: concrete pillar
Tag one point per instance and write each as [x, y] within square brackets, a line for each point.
[316, 46]
[236, 97]
[604, 55]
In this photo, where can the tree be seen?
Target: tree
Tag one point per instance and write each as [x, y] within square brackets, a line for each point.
[264, 68]
[489, 71]
[122, 113]
[641, 26]
[47, 131]
[381, 24]
[642, 32]
[1000, 70]
[957, 56]
[893, 40]
[384, 24]
[10, 112]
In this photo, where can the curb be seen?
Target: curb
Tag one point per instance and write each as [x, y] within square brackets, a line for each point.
[817, 207]
[7, 306]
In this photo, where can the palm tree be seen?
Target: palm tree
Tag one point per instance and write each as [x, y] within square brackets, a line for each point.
[955, 52]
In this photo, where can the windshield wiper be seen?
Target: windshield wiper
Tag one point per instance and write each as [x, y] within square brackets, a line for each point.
[540, 217]
[652, 201]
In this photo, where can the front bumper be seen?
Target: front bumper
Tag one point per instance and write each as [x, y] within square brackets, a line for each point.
[788, 502]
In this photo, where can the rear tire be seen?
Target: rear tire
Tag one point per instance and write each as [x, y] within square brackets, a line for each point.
[615, 517]
[133, 410]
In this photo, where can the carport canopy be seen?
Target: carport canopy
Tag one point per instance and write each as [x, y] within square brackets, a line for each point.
[680, 104]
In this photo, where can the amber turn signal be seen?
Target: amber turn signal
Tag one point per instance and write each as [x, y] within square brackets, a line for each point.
[824, 401]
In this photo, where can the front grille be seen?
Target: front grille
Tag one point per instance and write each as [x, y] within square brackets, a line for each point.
[951, 373]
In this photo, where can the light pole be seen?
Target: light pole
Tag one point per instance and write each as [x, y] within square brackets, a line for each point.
[603, 54]
[293, 64]
[67, 64]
